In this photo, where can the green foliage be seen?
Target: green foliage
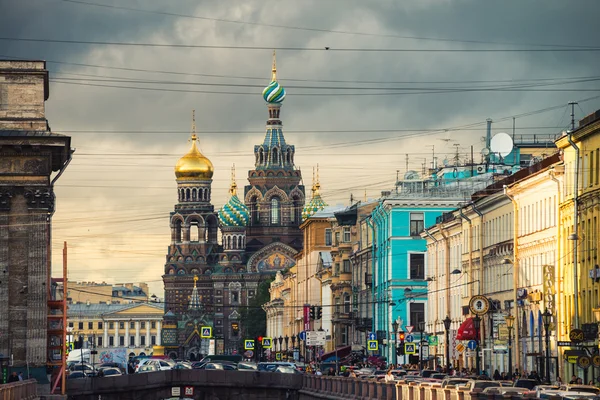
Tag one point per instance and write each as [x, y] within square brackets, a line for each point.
[254, 318]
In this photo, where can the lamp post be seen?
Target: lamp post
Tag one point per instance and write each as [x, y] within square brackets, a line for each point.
[287, 339]
[395, 329]
[280, 343]
[510, 321]
[477, 325]
[447, 321]
[421, 331]
[293, 346]
[547, 320]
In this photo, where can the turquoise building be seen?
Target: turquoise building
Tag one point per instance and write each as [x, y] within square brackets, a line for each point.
[400, 255]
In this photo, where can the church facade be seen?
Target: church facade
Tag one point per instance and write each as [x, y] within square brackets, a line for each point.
[209, 279]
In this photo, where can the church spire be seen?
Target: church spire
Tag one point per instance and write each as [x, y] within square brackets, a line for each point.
[274, 69]
[316, 202]
[233, 187]
[195, 299]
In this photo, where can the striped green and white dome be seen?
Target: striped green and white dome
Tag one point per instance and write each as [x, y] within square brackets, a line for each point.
[234, 213]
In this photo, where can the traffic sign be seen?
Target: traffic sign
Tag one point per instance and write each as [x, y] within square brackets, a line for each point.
[584, 362]
[409, 338]
[433, 340]
[278, 356]
[302, 335]
[266, 343]
[596, 360]
[372, 336]
[373, 345]
[189, 391]
[479, 305]
[409, 328]
[576, 335]
[315, 338]
[460, 347]
[563, 343]
[206, 332]
[248, 344]
[472, 345]
[410, 348]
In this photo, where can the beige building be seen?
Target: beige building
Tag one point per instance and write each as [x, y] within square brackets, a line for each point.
[134, 326]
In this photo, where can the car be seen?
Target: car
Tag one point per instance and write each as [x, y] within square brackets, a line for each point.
[232, 358]
[439, 377]
[453, 381]
[82, 367]
[505, 391]
[426, 373]
[526, 383]
[182, 365]
[476, 386]
[271, 366]
[107, 371]
[147, 368]
[76, 375]
[580, 388]
[112, 365]
[247, 366]
[220, 365]
[286, 370]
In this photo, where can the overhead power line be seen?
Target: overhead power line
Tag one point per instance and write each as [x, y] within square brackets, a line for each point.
[310, 29]
[291, 48]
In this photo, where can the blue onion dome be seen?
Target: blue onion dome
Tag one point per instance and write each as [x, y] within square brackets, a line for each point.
[316, 203]
[234, 212]
[274, 93]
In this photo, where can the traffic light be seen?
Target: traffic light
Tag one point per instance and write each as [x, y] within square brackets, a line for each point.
[401, 336]
[319, 312]
[79, 343]
[312, 312]
[235, 328]
[400, 350]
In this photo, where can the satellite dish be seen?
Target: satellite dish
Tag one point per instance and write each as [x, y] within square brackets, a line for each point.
[485, 151]
[501, 144]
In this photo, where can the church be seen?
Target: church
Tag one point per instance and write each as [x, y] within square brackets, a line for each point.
[209, 281]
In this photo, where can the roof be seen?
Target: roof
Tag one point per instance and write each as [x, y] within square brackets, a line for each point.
[91, 310]
[328, 212]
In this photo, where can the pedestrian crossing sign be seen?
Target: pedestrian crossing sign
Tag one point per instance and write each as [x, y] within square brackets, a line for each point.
[266, 343]
[373, 345]
[206, 332]
[410, 348]
[248, 344]
[278, 356]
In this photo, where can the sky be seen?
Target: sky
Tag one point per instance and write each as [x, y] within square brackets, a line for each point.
[370, 84]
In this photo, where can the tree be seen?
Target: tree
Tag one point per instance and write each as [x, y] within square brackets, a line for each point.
[253, 317]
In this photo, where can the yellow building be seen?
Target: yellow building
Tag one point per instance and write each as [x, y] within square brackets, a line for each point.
[134, 326]
[577, 291]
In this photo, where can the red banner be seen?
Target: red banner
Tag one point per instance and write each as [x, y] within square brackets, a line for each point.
[306, 317]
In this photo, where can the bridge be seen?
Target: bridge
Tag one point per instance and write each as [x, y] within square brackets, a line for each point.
[240, 385]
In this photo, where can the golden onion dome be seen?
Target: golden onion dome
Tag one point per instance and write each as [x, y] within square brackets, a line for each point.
[194, 165]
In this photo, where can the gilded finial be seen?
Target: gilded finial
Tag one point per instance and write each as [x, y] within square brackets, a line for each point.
[317, 184]
[233, 187]
[194, 137]
[314, 187]
[274, 69]
[195, 280]
[365, 195]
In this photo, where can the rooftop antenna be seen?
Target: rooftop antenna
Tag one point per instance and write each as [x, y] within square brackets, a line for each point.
[406, 162]
[501, 144]
[456, 156]
[572, 104]
[488, 135]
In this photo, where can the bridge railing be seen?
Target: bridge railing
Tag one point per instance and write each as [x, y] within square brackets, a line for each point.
[26, 390]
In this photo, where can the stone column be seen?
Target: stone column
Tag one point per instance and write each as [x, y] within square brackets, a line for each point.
[148, 334]
[158, 333]
[105, 335]
[116, 344]
[127, 334]
[137, 333]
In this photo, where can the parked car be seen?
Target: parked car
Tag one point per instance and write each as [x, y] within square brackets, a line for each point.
[476, 386]
[580, 388]
[147, 368]
[272, 366]
[526, 383]
[219, 365]
[247, 366]
[426, 373]
[541, 388]
[505, 391]
[286, 370]
[453, 381]
[182, 365]
[76, 375]
[112, 365]
[106, 371]
[82, 367]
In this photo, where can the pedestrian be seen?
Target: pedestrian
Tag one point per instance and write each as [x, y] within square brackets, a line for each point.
[331, 372]
[13, 378]
[388, 376]
[559, 381]
[21, 376]
[573, 380]
[497, 375]
[579, 381]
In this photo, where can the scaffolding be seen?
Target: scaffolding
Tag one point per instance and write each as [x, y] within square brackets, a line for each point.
[57, 328]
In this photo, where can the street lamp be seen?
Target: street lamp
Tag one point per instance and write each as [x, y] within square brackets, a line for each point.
[510, 321]
[395, 329]
[547, 315]
[280, 343]
[447, 321]
[287, 339]
[477, 325]
[421, 330]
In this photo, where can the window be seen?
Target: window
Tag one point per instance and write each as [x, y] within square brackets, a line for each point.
[132, 325]
[142, 325]
[346, 303]
[132, 341]
[90, 325]
[275, 211]
[337, 269]
[100, 325]
[80, 326]
[346, 234]
[121, 340]
[121, 325]
[111, 341]
[70, 324]
[417, 265]
[346, 264]
[143, 340]
[416, 223]
[111, 325]
[417, 314]
[153, 340]
[328, 241]
[344, 334]
[235, 297]
[99, 341]
[337, 238]
[153, 324]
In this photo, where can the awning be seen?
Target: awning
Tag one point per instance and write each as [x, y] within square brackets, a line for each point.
[466, 331]
[341, 353]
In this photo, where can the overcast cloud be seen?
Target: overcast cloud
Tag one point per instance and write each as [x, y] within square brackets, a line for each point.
[114, 199]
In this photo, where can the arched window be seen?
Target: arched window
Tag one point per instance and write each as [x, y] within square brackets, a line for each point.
[177, 232]
[274, 156]
[194, 231]
[254, 218]
[261, 156]
[240, 244]
[296, 214]
[194, 194]
[187, 194]
[275, 211]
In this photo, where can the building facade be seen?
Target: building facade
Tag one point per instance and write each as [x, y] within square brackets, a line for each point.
[96, 293]
[32, 158]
